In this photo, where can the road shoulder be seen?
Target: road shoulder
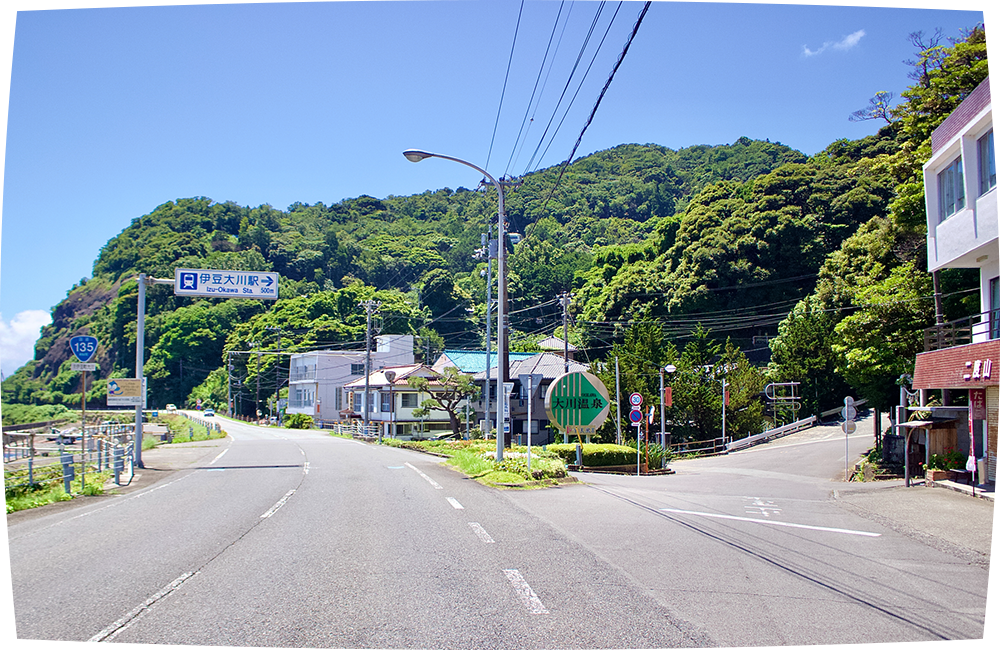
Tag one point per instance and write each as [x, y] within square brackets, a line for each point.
[159, 463]
[948, 521]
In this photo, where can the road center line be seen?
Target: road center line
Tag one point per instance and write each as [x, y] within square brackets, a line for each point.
[481, 533]
[771, 522]
[455, 504]
[278, 505]
[219, 456]
[109, 632]
[528, 597]
[427, 478]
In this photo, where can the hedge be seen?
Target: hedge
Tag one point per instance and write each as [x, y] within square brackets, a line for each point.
[595, 455]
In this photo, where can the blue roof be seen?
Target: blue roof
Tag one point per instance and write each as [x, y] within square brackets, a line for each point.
[473, 361]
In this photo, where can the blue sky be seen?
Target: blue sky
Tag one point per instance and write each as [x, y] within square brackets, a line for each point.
[114, 111]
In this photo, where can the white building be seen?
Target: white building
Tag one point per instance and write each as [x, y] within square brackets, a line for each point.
[316, 380]
[393, 402]
[964, 356]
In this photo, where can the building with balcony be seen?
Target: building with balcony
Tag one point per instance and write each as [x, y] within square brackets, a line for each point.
[317, 380]
[962, 358]
[393, 401]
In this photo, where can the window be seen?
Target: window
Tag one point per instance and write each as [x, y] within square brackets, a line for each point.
[358, 369]
[409, 400]
[952, 189]
[995, 308]
[386, 402]
[987, 164]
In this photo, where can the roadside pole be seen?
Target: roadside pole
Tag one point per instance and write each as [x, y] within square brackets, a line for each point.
[83, 432]
[140, 340]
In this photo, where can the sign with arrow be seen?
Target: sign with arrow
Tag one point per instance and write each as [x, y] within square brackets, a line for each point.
[226, 284]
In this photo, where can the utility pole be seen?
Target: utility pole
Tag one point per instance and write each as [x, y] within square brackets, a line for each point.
[489, 248]
[370, 306]
[564, 300]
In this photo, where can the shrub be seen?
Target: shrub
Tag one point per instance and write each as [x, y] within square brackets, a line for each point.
[596, 455]
[951, 459]
[298, 421]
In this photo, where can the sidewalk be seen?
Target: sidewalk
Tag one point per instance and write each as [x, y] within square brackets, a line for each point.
[949, 520]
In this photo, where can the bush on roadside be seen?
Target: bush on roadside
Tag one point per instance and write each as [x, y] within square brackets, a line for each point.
[298, 421]
[596, 455]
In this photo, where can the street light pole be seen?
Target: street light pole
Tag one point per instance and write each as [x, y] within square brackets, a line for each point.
[503, 373]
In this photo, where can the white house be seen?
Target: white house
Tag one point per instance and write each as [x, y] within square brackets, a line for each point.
[964, 356]
[393, 402]
[316, 380]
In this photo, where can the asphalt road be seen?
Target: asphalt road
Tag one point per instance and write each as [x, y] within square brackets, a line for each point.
[298, 539]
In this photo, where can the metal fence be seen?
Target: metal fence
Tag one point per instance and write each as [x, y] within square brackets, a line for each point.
[38, 457]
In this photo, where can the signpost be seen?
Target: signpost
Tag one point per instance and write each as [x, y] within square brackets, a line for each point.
[84, 348]
[530, 383]
[210, 283]
[849, 412]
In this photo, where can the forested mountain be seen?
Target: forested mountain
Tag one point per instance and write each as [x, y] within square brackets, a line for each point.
[736, 238]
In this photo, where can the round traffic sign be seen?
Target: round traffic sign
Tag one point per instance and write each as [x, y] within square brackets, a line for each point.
[635, 416]
[577, 403]
[849, 427]
[635, 399]
[849, 413]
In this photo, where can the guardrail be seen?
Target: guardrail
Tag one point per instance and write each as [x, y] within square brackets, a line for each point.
[771, 434]
[108, 447]
[701, 447]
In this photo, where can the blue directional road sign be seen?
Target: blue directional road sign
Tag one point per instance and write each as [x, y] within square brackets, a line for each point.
[84, 347]
[226, 284]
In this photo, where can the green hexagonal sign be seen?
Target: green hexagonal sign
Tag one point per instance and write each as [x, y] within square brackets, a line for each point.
[577, 403]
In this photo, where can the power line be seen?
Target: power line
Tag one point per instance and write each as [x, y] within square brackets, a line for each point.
[607, 84]
[569, 80]
[504, 90]
[541, 68]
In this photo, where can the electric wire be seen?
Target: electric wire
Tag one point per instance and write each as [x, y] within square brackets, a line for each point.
[580, 86]
[604, 90]
[503, 92]
[569, 80]
[538, 77]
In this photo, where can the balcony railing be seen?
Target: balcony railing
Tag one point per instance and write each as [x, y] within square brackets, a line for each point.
[971, 329]
[302, 374]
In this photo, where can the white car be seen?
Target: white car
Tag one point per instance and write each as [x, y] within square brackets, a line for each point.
[171, 407]
[209, 413]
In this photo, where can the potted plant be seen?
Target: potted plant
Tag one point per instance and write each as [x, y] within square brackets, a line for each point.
[940, 465]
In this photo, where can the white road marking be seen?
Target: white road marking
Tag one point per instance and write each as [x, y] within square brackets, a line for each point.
[528, 597]
[428, 478]
[278, 505]
[305, 467]
[109, 632]
[218, 457]
[455, 504]
[481, 532]
[845, 531]
[761, 507]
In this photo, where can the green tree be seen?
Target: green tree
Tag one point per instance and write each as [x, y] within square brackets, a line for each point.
[447, 393]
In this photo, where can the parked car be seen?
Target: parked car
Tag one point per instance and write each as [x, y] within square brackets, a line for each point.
[209, 413]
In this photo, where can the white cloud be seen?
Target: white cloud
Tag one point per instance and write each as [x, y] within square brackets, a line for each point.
[17, 338]
[850, 40]
[845, 43]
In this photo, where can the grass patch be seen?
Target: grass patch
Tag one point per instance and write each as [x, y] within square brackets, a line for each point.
[476, 459]
[50, 490]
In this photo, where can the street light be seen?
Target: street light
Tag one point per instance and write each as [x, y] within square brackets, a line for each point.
[416, 155]
[669, 369]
